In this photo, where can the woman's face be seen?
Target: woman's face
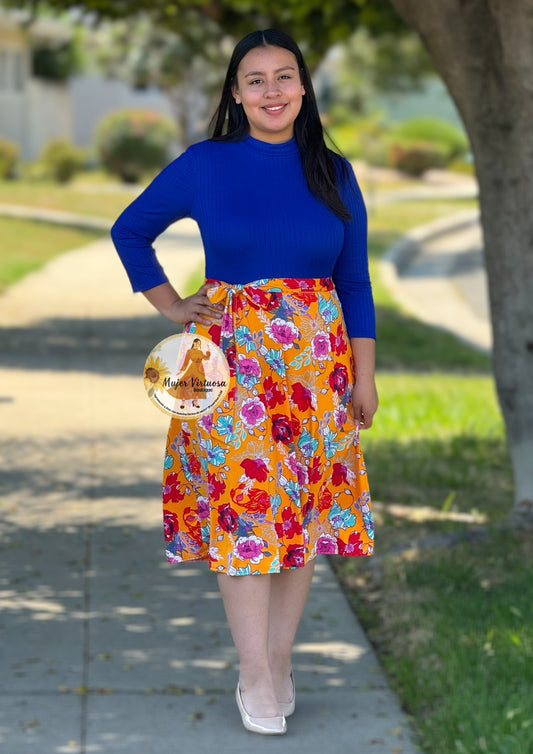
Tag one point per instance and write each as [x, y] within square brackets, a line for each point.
[270, 90]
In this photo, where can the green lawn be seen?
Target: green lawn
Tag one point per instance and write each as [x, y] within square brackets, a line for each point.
[103, 199]
[27, 245]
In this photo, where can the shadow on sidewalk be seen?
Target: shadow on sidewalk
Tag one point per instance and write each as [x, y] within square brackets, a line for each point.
[105, 346]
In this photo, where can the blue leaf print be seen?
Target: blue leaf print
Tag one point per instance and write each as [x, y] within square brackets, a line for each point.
[244, 337]
[274, 358]
[307, 444]
[331, 446]
[169, 461]
[275, 502]
[215, 454]
[224, 426]
[328, 310]
[341, 518]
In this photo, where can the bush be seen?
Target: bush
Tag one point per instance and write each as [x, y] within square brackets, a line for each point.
[450, 140]
[61, 160]
[9, 154]
[417, 157]
[132, 141]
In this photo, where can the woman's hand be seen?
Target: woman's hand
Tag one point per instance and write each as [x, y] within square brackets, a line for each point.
[364, 401]
[195, 308]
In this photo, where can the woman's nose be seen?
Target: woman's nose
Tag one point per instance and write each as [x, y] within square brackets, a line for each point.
[272, 88]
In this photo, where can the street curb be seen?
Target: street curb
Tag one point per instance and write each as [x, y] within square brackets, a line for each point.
[400, 255]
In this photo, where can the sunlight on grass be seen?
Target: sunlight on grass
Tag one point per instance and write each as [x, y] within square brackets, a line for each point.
[27, 246]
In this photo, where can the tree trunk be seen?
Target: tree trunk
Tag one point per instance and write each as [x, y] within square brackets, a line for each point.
[483, 49]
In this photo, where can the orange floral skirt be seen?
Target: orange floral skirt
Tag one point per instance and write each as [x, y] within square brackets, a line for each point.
[274, 475]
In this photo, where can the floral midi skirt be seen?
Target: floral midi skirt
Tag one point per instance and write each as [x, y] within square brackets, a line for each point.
[274, 475]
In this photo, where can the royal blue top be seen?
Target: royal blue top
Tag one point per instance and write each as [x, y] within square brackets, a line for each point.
[257, 219]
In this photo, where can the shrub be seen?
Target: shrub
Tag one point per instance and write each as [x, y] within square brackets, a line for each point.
[61, 160]
[9, 154]
[132, 141]
[417, 157]
[450, 139]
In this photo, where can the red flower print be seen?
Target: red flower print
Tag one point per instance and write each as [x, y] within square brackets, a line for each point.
[171, 490]
[260, 298]
[302, 396]
[296, 428]
[215, 486]
[230, 358]
[170, 524]
[339, 474]
[294, 557]
[353, 544]
[194, 463]
[190, 517]
[258, 501]
[215, 333]
[325, 498]
[272, 396]
[338, 342]
[227, 518]
[255, 468]
[327, 283]
[290, 526]
[281, 429]
[338, 379]
[307, 507]
[314, 470]
[306, 297]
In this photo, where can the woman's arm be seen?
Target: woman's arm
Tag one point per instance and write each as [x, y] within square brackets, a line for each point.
[365, 394]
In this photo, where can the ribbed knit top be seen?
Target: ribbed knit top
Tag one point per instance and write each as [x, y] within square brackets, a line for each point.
[257, 219]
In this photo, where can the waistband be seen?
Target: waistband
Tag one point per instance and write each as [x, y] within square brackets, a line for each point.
[265, 290]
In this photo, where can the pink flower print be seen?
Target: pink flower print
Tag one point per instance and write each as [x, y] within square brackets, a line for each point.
[252, 412]
[249, 366]
[283, 332]
[206, 422]
[250, 548]
[226, 325]
[326, 545]
[339, 416]
[202, 507]
[297, 468]
[320, 345]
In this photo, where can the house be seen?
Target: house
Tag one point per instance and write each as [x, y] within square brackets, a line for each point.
[32, 111]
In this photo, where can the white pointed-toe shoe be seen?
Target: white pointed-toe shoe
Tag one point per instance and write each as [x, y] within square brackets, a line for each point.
[266, 726]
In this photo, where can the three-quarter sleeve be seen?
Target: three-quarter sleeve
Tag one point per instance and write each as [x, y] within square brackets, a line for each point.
[350, 274]
[167, 199]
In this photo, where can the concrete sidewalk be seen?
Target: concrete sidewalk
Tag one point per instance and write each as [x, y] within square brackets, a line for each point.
[106, 648]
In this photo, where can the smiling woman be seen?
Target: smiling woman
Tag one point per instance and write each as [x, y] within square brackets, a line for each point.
[274, 476]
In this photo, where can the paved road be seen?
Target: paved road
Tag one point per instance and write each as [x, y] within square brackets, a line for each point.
[105, 648]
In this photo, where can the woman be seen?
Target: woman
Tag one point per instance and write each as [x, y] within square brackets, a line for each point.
[275, 475]
[191, 370]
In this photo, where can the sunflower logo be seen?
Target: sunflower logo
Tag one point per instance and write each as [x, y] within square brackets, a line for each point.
[155, 371]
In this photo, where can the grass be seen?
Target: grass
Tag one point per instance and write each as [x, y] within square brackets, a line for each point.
[27, 246]
[82, 196]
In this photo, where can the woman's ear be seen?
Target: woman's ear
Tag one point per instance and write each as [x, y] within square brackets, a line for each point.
[236, 95]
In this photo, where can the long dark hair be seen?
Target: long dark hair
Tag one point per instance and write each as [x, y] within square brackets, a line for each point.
[322, 167]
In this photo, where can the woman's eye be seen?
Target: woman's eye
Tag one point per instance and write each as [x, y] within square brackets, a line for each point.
[255, 81]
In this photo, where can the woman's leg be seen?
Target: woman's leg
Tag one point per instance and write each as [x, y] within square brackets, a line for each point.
[288, 595]
[247, 604]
